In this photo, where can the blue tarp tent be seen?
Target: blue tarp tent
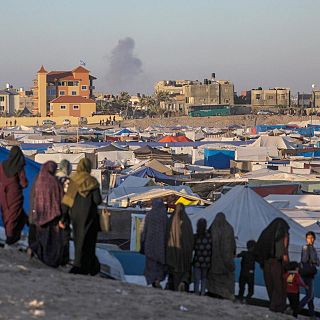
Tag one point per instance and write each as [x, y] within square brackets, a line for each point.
[32, 168]
[219, 159]
[123, 131]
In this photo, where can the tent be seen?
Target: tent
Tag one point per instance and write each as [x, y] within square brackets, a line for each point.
[250, 214]
[278, 142]
[32, 168]
[175, 139]
[145, 172]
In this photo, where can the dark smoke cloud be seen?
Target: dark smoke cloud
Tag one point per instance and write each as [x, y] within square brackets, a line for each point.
[125, 69]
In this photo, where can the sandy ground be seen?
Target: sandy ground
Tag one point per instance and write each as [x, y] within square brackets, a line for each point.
[218, 122]
[30, 290]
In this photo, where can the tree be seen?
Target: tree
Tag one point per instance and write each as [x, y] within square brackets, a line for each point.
[123, 99]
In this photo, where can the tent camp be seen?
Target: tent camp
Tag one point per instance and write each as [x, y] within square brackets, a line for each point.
[249, 214]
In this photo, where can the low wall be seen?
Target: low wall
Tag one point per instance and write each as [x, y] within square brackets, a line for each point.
[32, 121]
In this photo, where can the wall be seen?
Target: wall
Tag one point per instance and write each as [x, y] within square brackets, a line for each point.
[32, 121]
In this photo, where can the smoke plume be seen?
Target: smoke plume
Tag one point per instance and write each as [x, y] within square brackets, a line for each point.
[125, 69]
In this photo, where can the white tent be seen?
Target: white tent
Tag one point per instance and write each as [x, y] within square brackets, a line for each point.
[250, 214]
[278, 142]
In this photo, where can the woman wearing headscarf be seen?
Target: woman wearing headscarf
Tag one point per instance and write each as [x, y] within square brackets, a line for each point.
[272, 253]
[63, 174]
[153, 239]
[82, 198]
[221, 275]
[46, 241]
[179, 249]
[12, 182]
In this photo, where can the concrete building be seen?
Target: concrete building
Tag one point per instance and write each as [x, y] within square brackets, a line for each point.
[172, 86]
[209, 92]
[51, 85]
[276, 97]
[176, 105]
[304, 100]
[316, 98]
[9, 101]
[75, 106]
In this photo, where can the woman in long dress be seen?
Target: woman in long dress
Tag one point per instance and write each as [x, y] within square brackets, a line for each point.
[12, 182]
[82, 198]
[153, 239]
[179, 250]
[221, 277]
[272, 254]
[46, 230]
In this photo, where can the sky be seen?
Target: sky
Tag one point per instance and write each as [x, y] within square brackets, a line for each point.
[130, 44]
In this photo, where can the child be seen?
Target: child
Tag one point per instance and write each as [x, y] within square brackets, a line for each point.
[294, 281]
[202, 256]
[247, 270]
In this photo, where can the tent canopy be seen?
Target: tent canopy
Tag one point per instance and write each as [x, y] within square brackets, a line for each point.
[175, 139]
[250, 214]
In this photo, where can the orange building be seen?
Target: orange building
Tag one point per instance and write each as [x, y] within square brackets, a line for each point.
[50, 85]
[75, 106]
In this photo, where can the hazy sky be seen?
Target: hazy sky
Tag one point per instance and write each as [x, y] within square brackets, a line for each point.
[250, 42]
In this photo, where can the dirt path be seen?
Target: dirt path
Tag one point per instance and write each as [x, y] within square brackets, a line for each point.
[29, 290]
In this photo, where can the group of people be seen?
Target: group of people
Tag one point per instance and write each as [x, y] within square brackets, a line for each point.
[110, 120]
[59, 202]
[175, 253]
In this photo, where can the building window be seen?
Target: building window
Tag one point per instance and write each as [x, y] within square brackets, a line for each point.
[83, 87]
[73, 93]
[270, 97]
[63, 107]
[75, 107]
[70, 83]
[258, 96]
[61, 93]
[1, 99]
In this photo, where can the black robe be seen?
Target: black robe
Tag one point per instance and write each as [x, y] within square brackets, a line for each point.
[85, 224]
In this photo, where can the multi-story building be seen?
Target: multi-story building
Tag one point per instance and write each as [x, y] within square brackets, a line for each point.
[172, 86]
[276, 97]
[48, 86]
[176, 105]
[9, 101]
[316, 98]
[210, 92]
[304, 100]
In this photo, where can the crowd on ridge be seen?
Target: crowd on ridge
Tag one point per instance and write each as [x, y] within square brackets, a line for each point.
[60, 201]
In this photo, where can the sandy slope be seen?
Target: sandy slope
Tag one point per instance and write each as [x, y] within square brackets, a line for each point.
[217, 122]
[29, 290]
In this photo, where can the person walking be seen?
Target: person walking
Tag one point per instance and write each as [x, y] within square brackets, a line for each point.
[179, 250]
[272, 253]
[309, 263]
[202, 256]
[81, 201]
[221, 275]
[153, 240]
[46, 226]
[12, 182]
